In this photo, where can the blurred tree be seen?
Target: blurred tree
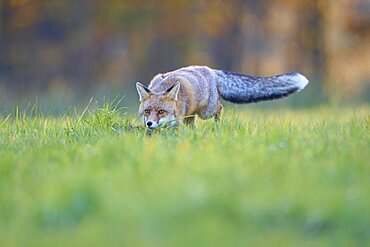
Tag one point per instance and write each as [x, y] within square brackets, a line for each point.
[82, 45]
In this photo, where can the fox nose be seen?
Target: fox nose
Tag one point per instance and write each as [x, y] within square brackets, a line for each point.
[149, 123]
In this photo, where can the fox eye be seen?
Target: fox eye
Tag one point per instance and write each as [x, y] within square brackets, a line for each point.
[147, 111]
[161, 112]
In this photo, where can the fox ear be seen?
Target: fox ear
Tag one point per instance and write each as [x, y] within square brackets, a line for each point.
[143, 91]
[173, 91]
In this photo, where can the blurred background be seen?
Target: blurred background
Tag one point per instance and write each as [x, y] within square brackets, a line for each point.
[62, 53]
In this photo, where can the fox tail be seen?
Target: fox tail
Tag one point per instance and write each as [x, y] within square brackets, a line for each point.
[241, 88]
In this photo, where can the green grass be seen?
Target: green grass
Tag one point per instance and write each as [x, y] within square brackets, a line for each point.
[258, 178]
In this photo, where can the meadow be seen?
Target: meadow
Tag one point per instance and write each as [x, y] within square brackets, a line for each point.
[257, 178]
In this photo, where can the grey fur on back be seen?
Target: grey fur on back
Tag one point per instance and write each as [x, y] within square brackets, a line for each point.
[204, 82]
[241, 88]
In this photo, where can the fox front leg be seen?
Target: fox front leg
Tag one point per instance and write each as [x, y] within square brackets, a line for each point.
[189, 121]
[218, 115]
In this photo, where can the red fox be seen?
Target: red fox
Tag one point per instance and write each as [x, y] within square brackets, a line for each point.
[185, 93]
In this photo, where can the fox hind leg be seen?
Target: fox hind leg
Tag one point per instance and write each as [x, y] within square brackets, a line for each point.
[218, 115]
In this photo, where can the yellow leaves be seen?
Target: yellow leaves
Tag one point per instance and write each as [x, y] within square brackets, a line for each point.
[215, 17]
[18, 3]
[24, 16]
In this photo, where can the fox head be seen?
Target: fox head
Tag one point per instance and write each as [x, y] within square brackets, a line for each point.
[158, 108]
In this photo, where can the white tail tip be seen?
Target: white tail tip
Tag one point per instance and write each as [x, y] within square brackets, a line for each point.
[301, 81]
